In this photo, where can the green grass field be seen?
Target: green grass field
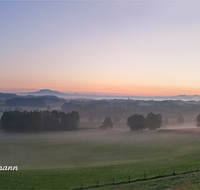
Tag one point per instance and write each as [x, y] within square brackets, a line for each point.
[65, 160]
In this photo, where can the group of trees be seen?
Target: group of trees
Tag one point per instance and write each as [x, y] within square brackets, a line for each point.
[139, 122]
[98, 109]
[35, 121]
[34, 101]
[16, 121]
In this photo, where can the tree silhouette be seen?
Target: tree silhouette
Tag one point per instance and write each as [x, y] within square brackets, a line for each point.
[198, 121]
[16, 121]
[136, 122]
[107, 123]
[153, 121]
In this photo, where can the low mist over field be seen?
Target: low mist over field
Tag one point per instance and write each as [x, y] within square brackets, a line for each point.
[93, 147]
[104, 139]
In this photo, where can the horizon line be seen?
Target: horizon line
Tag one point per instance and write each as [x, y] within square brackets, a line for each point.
[92, 93]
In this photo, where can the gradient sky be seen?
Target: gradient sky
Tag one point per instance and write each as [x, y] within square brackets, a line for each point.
[101, 47]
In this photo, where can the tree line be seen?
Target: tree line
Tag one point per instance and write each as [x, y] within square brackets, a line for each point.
[122, 109]
[33, 121]
[34, 101]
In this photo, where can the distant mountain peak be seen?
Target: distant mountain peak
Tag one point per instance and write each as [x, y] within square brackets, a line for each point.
[47, 90]
[182, 95]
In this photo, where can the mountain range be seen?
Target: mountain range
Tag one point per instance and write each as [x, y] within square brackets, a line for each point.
[94, 96]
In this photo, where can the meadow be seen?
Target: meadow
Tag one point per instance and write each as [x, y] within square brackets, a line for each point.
[65, 160]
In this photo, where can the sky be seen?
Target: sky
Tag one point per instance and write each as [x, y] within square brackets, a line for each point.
[147, 48]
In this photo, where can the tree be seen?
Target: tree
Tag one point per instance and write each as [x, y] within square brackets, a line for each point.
[198, 121]
[180, 119]
[33, 121]
[136, 122]
[153, 121]
[75, 119]
[48, 121]
[107, 123]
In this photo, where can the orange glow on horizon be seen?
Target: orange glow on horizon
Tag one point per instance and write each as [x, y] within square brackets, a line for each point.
[113, 90]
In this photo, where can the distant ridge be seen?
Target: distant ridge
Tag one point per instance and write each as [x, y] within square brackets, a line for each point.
[46, 92]
[7, 95]
[94, 96]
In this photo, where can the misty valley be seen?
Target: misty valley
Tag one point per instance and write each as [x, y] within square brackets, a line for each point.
[99, 94]
[77, 143]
